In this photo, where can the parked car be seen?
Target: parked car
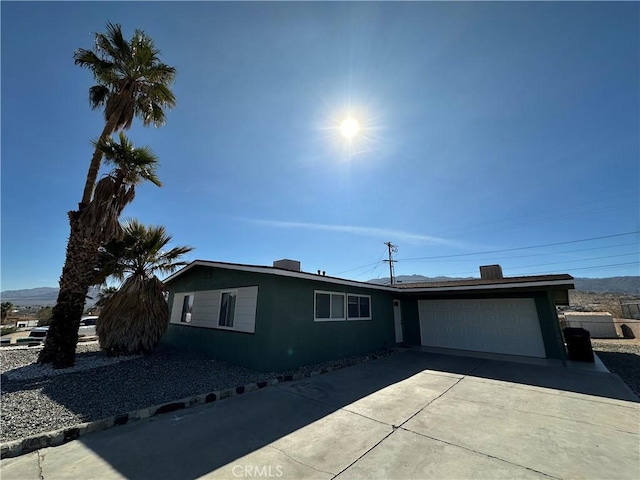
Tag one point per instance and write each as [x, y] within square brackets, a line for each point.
[88, 326]
[39, 333]
[36, 336]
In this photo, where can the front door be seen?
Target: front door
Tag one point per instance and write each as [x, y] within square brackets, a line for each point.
[397, 320]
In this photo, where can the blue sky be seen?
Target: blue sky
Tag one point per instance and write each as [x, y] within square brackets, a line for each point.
[485, 127]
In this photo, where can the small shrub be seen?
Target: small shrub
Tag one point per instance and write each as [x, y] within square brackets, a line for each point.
[7, 330]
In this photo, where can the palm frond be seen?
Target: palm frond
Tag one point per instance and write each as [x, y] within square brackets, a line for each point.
[98, 95]
[133, 81]
[142, 251]
[132, 165]
[158, 73]
[112, 44]
[100, 217]
[88, 59]
[135, 318]
[120, 48]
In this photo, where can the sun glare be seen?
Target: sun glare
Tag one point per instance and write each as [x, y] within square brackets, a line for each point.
[349, 128]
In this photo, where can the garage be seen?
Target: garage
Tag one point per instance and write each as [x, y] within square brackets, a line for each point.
[501, 325]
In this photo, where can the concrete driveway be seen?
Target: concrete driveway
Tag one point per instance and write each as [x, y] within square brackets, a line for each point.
[412, 415]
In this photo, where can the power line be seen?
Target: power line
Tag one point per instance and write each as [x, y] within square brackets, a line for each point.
[574, 261]
[365, 266]
[359, 268]
[372, 270]
[600, 267]
[540, 265]
[375, 270]
[539, 254]
[376, 264]
[521, 248]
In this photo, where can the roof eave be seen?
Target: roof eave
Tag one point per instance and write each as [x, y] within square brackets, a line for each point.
[566, 283]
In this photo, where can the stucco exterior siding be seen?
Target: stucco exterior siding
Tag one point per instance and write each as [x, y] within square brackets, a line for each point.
[276, 312]
[550, 326]
[286, 334]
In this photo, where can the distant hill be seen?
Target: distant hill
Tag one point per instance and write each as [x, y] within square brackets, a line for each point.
[628, 285]
[40, 296]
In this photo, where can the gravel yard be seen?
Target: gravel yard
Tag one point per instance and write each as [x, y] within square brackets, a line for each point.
[621, 357]
[37, 398]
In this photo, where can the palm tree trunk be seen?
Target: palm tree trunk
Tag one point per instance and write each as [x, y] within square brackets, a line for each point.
[77, 273]
[94, 166]
[60, 344]
[95, 225]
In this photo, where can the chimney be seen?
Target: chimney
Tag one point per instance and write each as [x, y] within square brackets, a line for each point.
[286, 264]
[491, 272]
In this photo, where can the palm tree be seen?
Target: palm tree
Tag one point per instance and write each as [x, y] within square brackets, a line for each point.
[130, 82]
[136, 316]
[99, 221]
[6, 308]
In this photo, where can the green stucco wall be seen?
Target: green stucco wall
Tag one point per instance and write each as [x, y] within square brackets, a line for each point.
[550, 326]
[286, 335]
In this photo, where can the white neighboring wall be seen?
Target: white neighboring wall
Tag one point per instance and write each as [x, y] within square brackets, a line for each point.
[599, 324]
[26, 323]
[205, 311]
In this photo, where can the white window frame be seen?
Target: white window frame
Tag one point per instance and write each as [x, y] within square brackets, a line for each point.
[344, 306]
[235, 306]
[358, 296]
[185, 295]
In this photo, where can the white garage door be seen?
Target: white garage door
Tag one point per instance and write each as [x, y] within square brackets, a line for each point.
[508, 326]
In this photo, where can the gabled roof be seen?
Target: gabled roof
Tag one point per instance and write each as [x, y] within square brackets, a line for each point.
[562, 281]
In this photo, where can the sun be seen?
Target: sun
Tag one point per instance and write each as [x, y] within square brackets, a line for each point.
[349, 128]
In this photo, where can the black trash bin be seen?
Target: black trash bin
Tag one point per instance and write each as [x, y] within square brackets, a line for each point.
[578, 344]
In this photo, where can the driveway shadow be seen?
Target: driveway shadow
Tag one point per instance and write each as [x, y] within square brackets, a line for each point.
[599, 384]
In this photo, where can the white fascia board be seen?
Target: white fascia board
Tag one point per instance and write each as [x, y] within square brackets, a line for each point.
[373, 286]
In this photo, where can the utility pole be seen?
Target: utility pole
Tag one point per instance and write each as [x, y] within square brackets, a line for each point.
[392, 249]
